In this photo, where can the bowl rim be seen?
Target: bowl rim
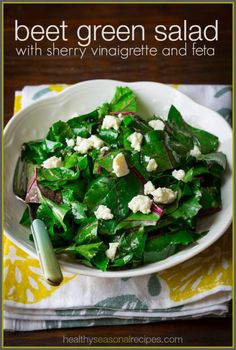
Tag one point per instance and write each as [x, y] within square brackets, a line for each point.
[143, 269]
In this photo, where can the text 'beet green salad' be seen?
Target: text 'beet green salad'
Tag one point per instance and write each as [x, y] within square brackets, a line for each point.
[117, 191]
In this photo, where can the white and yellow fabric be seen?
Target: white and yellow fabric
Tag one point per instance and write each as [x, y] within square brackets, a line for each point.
[199, 287]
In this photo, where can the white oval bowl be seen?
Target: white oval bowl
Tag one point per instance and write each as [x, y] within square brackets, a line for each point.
[34, 121]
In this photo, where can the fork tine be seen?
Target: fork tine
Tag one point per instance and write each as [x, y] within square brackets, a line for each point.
[20, 179]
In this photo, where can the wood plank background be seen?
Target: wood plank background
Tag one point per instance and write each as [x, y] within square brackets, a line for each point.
[21, 71]
[203, 332]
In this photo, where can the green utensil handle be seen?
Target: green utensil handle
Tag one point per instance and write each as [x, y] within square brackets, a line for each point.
[48, 261]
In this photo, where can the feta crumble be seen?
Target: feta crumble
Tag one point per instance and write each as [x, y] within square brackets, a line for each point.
[104, 149]
[140, 203]
[195, 152]
[146, 158]
[103, 212]
[164, 195]
[96, 141]
[149, 188]
[136, 140]
[70, 142]
[152, 165]
[120, 166]
[83, 145]
[111, 251]
[178, 174]
[53, 162]
[111, 122]
[157, 124]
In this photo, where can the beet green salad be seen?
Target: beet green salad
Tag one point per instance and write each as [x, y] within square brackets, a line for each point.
[117, 190]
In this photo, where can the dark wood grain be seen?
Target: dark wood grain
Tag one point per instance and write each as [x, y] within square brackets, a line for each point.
[204, 332]
[21, 71]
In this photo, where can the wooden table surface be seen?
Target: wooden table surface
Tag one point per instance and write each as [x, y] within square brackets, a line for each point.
[202, 332]
[25, 70]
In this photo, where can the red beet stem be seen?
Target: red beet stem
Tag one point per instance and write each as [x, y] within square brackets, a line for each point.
[154, 236]
[159, 211]
[137, 173]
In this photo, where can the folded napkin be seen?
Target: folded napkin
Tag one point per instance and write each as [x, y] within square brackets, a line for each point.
[199, 287]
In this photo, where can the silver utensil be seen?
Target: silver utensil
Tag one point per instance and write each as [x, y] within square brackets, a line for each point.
[25, 189]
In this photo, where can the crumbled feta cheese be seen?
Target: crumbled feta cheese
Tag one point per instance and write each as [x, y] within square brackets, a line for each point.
[149, 188]
[195, 151]
[178, 174]
[96, 141]
[120, 116]
[164, 195]
[157, 124]
[111, 251]
[83, 145]
[53, 162]
[103, 212]
[70, 142]
[104, 149]
[146, 158]
[136, 140]
[111, 122]
[140, 203]
[152, 165]
[120, 166]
